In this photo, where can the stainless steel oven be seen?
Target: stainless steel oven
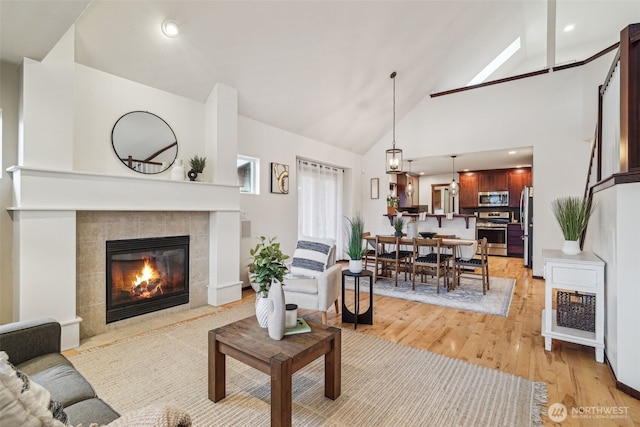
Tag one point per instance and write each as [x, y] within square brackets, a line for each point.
[493, 226]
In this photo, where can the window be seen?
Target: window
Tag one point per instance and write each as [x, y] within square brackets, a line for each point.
[248, 174]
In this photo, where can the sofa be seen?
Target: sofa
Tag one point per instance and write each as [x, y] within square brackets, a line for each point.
[33, 352]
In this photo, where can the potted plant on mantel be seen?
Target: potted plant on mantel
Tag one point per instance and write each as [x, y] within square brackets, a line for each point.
[392, 204]
[355, 247]
[572, 214]
[266, 267]
[197, 167]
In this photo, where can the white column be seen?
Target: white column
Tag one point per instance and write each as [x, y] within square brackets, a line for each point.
[45, 270]
[224, 252]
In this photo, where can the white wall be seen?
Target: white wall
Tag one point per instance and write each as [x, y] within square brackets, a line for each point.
[555, 113]
[276, 214]
[101, 99]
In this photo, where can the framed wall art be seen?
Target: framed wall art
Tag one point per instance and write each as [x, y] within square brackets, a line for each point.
[279, 178]
[375, 188]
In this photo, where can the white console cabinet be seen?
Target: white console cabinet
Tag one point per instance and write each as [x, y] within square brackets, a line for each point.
[584, 273]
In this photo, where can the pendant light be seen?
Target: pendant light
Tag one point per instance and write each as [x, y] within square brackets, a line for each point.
[409, 190]
[454, 188]
[394, 155]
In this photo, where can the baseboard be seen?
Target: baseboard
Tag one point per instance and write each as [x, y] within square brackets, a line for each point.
[622, 386]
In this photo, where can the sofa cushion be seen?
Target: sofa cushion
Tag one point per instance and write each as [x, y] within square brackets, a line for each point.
[311, 256]
[90, 411]
[55, 373]
[23, 402]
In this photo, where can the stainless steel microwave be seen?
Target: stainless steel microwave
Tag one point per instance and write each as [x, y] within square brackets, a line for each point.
[493, 198]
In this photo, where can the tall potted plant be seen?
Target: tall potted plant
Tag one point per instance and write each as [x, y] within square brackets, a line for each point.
[355, 247]
[267, 265]
[572, 214]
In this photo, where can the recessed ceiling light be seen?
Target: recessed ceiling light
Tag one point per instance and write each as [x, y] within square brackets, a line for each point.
[170, 28]
[465, 170]
[569, 27]
[512, 152]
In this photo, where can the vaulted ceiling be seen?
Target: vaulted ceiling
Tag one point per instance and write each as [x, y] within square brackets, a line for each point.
[315, 68]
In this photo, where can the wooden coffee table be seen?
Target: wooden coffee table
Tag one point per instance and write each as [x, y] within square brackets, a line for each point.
[247, 342]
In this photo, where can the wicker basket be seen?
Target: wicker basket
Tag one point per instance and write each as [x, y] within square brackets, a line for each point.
[576, 310]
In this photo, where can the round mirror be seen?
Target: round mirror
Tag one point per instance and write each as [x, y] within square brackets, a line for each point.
[144, 142]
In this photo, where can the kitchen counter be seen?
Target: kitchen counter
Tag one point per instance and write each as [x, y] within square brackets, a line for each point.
[438, 217]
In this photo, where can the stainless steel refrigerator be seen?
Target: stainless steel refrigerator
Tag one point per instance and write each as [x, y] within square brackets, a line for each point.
[526, 222]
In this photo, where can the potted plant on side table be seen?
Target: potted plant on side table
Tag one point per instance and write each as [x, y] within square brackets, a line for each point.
[355, 247]
[572, 214]
[266, 269]
[392, 204]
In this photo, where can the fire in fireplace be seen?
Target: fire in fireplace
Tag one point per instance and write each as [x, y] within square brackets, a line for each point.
[146, 275]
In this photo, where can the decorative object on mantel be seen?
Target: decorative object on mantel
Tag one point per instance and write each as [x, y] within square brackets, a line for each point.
[398, 225]
[266, 268]
[454, 187]
[572, 214]
[394, 155]
[279, 178]
[392, 204]
[355, 247]
[197, 166]
[177, 172]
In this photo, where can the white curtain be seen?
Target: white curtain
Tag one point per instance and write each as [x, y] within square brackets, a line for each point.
[320, 202]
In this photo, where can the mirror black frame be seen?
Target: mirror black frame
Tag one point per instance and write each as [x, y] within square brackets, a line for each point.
[141, 139]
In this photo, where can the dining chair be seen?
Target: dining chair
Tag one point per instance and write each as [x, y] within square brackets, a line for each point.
[429, 260]
[479, 261]
[370, 255]
[389, 252]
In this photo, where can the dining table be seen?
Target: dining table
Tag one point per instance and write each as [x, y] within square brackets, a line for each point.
[448, 241]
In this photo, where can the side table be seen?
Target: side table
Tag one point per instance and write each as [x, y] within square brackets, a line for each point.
[365, 318]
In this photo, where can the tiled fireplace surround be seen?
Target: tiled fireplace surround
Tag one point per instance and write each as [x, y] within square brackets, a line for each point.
[61, 220]
[94, 228]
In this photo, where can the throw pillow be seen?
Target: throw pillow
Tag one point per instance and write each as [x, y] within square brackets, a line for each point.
[23, 402]
[311, 256]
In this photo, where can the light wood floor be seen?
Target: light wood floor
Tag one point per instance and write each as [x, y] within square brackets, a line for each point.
[511, 344]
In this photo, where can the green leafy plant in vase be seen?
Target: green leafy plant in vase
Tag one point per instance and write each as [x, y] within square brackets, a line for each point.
[355, 247]
[398, 225]
[266, 266]
[197, 165]
[572, 214]
[392, 204]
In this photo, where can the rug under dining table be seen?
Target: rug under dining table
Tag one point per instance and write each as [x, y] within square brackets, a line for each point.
[383, 383]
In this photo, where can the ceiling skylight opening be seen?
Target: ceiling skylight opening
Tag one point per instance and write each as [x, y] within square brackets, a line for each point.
[496, 63]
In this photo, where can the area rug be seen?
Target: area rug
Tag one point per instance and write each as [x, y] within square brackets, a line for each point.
[383, 383]
[467, 296]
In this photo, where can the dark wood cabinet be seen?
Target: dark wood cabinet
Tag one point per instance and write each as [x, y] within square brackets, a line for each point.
[493, 181]
[468, 190]
[515, 244]
[518, 178]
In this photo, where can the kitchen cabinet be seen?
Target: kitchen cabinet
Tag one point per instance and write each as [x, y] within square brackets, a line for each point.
[518, 178]
[582, 273]
[515, 244]
[468, 190]
[493, 181]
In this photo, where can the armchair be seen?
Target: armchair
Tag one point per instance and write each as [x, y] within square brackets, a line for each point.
[314, 278]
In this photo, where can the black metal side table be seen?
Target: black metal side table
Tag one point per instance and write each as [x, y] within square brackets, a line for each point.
[365, 318]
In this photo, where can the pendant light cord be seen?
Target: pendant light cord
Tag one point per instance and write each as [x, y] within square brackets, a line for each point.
[393, 77]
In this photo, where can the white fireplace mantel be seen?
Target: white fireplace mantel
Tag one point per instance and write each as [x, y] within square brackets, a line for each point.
[47, 189]
[44, 209]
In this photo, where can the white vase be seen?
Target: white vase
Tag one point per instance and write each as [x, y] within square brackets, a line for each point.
[177, 172]
[571, 247]
[355, 265]
[277, 311]
[262, 310]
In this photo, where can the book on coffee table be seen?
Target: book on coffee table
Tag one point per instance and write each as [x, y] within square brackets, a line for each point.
[301, 327]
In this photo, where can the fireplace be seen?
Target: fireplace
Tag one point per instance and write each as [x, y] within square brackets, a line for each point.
[146, 275]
